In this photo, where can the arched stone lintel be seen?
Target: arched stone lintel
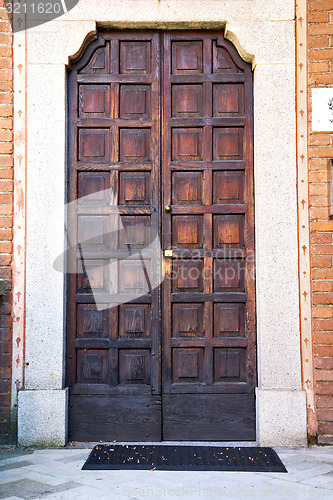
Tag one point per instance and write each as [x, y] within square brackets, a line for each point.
[162, 25]
[232, 37]
[89, 38]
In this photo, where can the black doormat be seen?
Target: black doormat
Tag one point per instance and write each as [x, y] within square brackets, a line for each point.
[168, 457]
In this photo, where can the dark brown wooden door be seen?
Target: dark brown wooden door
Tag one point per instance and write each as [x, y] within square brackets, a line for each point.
[161, 146]
[114, 131]
[209, 323]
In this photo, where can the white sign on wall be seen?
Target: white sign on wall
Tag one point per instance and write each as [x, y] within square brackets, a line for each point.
[322, 110]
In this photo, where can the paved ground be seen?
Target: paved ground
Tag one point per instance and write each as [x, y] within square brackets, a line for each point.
[57, 474]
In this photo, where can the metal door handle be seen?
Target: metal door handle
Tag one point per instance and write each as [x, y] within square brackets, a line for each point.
[167, 208]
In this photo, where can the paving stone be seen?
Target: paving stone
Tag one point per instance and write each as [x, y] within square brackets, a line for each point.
[14, 465]
[13, 498]
[28, 489]
[57, 474]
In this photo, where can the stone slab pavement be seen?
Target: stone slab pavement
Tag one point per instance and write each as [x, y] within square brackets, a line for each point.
[56, 474]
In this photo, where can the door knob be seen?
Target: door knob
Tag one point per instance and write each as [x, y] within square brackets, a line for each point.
[167, 208]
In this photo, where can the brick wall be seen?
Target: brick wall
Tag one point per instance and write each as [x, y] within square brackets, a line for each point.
[320, 52]
[6, 210]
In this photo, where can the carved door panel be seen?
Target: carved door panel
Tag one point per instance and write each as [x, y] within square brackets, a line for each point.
[209, 367]
[114, 342]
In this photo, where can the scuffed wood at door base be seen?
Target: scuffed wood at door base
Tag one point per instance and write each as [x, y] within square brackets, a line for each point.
[217, 417]
[109, 418]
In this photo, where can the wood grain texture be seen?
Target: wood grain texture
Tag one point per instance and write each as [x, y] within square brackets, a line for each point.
[209, 321]
[121, 418]
[114, 120]
[163, 119]
[218, 417]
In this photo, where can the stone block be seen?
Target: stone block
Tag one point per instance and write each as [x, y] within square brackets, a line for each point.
[281, 418]
[42, 418]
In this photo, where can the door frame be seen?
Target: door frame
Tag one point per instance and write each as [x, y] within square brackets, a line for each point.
[220, 397]
[279, 370]
[233, 398]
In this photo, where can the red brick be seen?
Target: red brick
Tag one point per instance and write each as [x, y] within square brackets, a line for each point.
[322, 312]
[320, 29]
[322, 226]
[324, 401]
[5, 348]
[319, 274]
[324, 5]
[7, 62]
[5, 246]
[5, 26]
[324, 388]
[6, 51]
[5, 260]
[319, 164]
[6, 186]
[319, 212]
[6, 322]
[5, 234]
[6, 86]
[5, 274]
[319, 42]
[5, 38]
[5, 400]
[6, 123]
[4, 412]
[316, 249]
[319, 67]
[319, 201]
[320, 140]
[321, 238]
[4, 427]
[321, 79]
[6, 209]
[325, 428]
[6, 109]
[8, 287]
[7, 173]
[4, 387]
[6, 135]
[325, 439]
[6, 147]
[318, 54]
[6, 98]
[324, 375]
[5, 359]
[6, 330]
[325, 415]
[5, 308]
[6, 161]
[324, 351]
[6, 198]
[323, 336]
[315, 151]
[323, 363]
[314, 177]
[317, 286]
[321, 261]
[5, 373]
[319, 190]
[318, 17]
[323, 298]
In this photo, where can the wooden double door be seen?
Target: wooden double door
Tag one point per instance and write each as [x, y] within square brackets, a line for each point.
[160, 145]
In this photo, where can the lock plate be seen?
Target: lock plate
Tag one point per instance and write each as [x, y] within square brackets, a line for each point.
[167, 253]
